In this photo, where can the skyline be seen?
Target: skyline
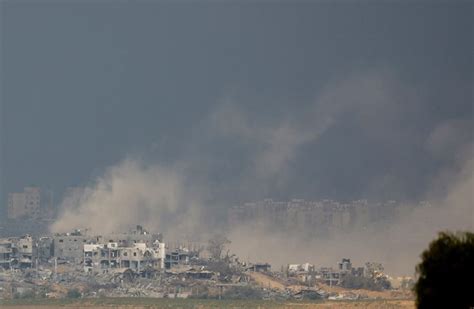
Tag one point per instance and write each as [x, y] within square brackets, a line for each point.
[239, 143]
[86, 86]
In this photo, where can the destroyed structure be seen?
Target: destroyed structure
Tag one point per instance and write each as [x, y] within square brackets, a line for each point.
[70, 246]
[308, 273]
[16, 252]
[138, 263]
[136, 256]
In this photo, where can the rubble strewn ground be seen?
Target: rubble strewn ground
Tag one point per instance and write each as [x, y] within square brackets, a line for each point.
[142, 303]
[138, 268]
[182, 282]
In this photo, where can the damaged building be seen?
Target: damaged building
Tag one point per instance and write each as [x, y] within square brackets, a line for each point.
[44, 249]
[17, 252]
[137, 235]
[136, 256]
[258, 267]
[176, 257]
[70, 246]
[333, 276]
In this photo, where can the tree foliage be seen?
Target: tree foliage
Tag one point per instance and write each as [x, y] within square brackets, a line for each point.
[446, 272]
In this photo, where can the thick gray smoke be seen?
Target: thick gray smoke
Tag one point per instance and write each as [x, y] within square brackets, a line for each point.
[372, 99]
[175, 199]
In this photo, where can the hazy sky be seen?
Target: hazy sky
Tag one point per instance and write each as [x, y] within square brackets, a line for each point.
[85, 85]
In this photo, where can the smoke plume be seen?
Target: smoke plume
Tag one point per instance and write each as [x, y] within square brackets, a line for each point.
[237, 155]
[128, 194]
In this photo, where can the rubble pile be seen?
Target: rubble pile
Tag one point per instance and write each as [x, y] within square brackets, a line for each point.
[139, 264]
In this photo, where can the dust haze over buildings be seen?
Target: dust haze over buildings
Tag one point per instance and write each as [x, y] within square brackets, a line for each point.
[173, 113]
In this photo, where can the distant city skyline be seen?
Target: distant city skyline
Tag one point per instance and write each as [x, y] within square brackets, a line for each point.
[345, 101]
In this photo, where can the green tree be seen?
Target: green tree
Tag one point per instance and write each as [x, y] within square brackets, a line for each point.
[446, 272]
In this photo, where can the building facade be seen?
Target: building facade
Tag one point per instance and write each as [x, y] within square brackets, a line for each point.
[100, 258]
[24, 204]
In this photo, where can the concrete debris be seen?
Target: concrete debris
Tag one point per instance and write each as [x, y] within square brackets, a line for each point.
[140, 264]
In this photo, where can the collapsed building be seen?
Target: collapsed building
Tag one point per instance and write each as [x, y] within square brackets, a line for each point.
[258, 267]
[295, 268]
[176, 257]
[138, 264]
[334, 276]
[44, 249]
[17, 252]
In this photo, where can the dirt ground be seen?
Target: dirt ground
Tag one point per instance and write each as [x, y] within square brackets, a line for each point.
[266, 281]
[207, 304]
[269, 282]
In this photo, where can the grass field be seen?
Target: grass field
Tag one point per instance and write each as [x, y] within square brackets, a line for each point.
[142, 303]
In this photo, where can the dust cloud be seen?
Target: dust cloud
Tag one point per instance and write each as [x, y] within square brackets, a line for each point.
[128, 194]
[176, 201]
[397, 244]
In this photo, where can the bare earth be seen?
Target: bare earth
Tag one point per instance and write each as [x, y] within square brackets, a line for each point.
[272, 283]
[137, 303]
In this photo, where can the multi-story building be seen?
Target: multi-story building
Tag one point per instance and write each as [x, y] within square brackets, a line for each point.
[17, 252]
[70, 246]
[44, 248]
[137, 257]
[176, 257]
[345, 265]
[6, 253]
[137, 235]
[315, 218]
[24, 204]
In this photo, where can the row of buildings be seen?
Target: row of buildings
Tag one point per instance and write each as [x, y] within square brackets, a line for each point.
[137, 250]
[320, 217]
[34, 202]
[316, 217]
[38, 203]
[34, 209]
[308, 273]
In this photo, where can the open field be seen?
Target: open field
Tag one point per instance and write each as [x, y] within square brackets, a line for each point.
[149, 303]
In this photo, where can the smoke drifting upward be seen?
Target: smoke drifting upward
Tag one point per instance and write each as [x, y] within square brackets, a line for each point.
[384, 150]
[397, 245]
[128, 194]
[352, 127]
